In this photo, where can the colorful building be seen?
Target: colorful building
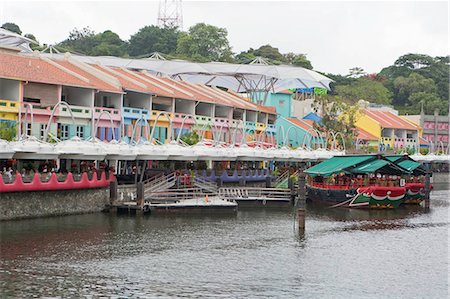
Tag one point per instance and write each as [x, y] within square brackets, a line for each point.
[435, 128]
[88, 100]
[392, 131]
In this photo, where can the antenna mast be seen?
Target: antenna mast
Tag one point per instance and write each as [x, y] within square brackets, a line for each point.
[170, 14]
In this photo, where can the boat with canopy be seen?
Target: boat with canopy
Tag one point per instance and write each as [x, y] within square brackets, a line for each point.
[366, 181]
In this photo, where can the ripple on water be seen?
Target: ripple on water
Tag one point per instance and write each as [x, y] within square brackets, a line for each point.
[343, 254]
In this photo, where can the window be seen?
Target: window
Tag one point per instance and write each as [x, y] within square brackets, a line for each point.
[28, 129]
[281, 103]
[64, 132]
[42, 130]
[80, 131]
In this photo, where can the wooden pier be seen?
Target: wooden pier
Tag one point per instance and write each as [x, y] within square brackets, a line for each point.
[164, 194]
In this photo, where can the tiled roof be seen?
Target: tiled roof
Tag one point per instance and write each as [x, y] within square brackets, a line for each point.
[94, 79]
[305, 126]
[33, 69]
[126, 80]
[364, 135]
[389, 120]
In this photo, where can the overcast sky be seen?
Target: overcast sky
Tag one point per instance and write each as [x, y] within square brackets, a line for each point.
[335, 35]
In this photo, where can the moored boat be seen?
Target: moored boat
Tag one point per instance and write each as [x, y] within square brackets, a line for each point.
[366, 181]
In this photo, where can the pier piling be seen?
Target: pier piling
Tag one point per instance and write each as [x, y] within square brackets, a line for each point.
[113, 191]
[140, 194]
[301, 202]
[427, 186]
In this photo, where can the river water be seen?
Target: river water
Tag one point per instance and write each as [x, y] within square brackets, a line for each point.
[256, 253]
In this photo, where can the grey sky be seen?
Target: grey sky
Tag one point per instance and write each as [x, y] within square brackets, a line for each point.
[335, 35]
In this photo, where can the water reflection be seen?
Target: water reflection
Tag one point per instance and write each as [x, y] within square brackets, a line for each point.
[256, 253]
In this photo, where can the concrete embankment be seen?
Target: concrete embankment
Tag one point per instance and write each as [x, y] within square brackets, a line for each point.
[18, 205]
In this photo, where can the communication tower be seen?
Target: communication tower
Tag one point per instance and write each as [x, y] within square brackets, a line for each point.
[170, 14]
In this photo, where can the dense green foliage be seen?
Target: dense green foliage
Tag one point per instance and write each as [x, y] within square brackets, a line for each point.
[150, 39]
[12, 27]
[413, 82]
[88, 42]
[7, 131]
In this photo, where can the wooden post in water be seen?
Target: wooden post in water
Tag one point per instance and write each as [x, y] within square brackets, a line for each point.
[140, 195]
[113, 191]
[427, 185]
[301, 201]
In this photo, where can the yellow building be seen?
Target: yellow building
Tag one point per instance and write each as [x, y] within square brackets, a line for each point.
[392, 131]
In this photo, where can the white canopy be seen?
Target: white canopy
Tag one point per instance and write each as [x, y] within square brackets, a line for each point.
[237, 77]
[14, 40]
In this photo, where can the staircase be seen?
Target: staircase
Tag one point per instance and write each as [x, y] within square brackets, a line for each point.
[159, 183]
[201, 183]
[282, 181]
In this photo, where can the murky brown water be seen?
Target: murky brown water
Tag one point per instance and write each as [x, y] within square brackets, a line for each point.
[256, 253]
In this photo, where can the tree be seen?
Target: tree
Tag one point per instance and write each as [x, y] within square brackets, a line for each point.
[298, 60]
[337, 116]
[365, 89]
[404, 87]
[429, 101]
[12, 27]
[269, 52]
[151, 39]
[190, 138]
[356, 72]
[7, 131]
[88, 42]
[203, 43]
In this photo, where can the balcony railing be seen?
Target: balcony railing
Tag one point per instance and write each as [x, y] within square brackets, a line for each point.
[136, 113]
[9, 106]
[115, 113]
[77, 111]
[38, 109]
[203, 120]
[162, 118]
[178, 117]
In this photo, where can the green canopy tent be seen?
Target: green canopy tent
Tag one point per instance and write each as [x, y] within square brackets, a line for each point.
[407, 163]
[363, 164]
[338, 164]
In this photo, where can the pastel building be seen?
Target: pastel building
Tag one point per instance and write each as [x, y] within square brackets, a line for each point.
[89, 99]
[435, 128]
[288, 123]
[391, 130]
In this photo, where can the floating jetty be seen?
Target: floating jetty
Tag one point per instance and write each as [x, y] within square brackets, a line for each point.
[258, 197]
[197, 205]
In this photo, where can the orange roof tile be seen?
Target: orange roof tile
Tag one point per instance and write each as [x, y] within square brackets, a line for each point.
[31, 68]
[364, 135]
[94, 79]
[302, 124]
[389, 120]
[126, 80]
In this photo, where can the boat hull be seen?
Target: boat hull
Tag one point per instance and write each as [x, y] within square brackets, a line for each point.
[372, 197]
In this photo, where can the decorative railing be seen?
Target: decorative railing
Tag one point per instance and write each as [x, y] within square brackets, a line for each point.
[77, 111]
[54, 184]
[9, 106]
[154, 114]
[246, 175]
[115, 113]
[136, 113]
[38, 109]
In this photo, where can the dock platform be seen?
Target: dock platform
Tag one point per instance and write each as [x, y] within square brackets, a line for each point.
[212, 204]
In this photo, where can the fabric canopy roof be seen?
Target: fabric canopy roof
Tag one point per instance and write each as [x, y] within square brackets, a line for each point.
[379, 165]
[14, 40]
[363, 164]
[337, 165]
[237, 77]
